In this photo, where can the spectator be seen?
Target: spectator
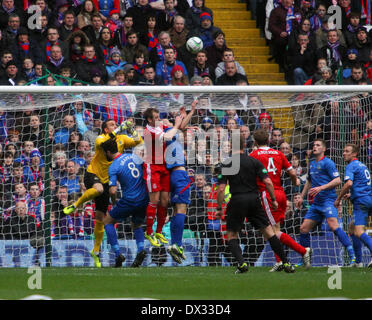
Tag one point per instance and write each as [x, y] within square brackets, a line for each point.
[362, 44]
[166, 17]
[205, 30]
[228, 56]
[127, 26]
[304, 28]
[163, 69]
[72, 180]
[132, 47]
[6, 56]
[114, 24]
[178, 32]
[194, 12]
[28, 70]
[25, 47]
[12, 76]
[131, 76]
[150, 38]
[327, 77]
[22, 225]
[62, 135]
[20, 193]
[265, 122]
[104, 45]
[114, 63]
[306, 119]
[40, 32]
[150, 77]
[9, 34]
[7, 11]
[57, 61]
[316, 19]
[59, 170]
[25, 157]
[231, 113]
[321, 35]
[301, 59]
[84, 18]
[334, 52]
[200, 65]
[68, 25]
[140, 63]
[276, 138]
[179, 77]
[157, 53]
[93, 30]
[139, 12]
[35, 171]
[351, 59]
[34, 132]
[61, 224]
[216, 50]
[89, 62]
[73, 142]
[78, 155]
[286, 149]
[347, 7]
[283, 21]
[357, 75]
[352, 28]
[76, 42]
[83, 116]
[231, 75]
[53, 39]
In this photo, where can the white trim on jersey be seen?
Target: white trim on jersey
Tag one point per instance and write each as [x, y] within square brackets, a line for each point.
[148, 178]
[266, 207]
[156, 130]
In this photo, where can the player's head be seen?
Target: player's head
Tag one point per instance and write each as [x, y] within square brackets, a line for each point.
[151, 115]
[108, 126]
[110, 147]
[261, 137]
[351, 151]
[319, 147]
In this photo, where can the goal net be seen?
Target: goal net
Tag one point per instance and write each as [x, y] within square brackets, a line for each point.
[48, 134]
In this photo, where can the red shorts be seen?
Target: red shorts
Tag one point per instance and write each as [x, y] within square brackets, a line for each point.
[278, 215]
[157, 177]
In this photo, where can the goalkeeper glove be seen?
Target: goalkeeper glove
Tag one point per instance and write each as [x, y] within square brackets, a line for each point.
[124, 126]
[135, 136]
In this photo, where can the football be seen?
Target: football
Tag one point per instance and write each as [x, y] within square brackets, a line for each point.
[194, 45]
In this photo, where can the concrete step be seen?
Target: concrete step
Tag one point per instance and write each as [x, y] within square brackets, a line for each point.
[246, 51]
[243, 33]
[253, 59]
[260, 82]
[257, 42]
[227, 5]
[231, 14]
[237, 24]
[259, 68]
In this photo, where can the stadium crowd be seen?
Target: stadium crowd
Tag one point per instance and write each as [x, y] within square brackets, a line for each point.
[126, 43]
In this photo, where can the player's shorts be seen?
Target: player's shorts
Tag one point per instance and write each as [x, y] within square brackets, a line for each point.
[157, 177]
[318, 212]
[278, 215]
[180, 186]
[245, 206]
[102, 202]
[123, 210]
[361, 209]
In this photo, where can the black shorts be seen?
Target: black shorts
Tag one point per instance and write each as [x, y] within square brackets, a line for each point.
[245, 206]
[102, 202]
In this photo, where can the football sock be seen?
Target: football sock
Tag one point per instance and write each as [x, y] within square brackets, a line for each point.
[289, 242]
[235, 250]
[357, 245]
[88, 195]
[367, 241]
[344, 239]
[178, 222]
[161, 217]
[278, 248]
[150, 216]
[99, 231]
[305, 239]
[112, 238]
[139, 235]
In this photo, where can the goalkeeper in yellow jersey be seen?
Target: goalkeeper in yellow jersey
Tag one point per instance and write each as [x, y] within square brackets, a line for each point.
[96, 177]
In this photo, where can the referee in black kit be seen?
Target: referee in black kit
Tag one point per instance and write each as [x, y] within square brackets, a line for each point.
[245, 203]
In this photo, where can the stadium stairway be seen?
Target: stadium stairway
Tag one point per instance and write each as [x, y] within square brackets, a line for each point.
[251, 52]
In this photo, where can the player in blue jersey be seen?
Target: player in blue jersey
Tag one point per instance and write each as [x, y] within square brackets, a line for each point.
[127, 170]
[179, 186]
[322, 180]
[358, 183]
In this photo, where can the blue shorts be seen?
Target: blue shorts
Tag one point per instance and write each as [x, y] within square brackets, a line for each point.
[318, 212]
[123, 210]
[361, 208]
[180, 187]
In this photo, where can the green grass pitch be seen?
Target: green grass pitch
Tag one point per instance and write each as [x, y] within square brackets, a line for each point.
[185, 283]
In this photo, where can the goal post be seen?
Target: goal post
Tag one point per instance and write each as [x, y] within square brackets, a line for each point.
[34, 123]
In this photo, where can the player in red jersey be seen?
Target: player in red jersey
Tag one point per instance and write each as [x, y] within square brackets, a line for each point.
[156, 175]
[274, 162]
